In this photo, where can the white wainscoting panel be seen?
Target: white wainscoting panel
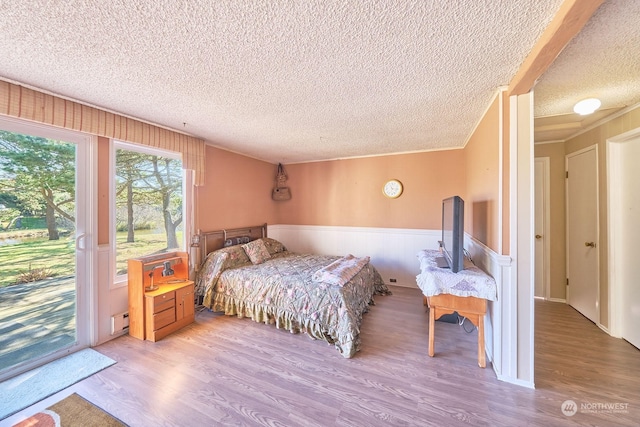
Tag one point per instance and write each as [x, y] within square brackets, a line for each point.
[111, 299]
[104, 301]
[497, 324]
[392, 250]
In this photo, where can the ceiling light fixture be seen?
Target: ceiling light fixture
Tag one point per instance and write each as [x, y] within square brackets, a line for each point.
[587, 106]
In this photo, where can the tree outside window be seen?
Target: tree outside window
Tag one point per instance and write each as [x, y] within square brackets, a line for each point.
[149, 214]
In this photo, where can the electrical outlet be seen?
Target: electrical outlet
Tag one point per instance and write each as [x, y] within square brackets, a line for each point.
[392, 280]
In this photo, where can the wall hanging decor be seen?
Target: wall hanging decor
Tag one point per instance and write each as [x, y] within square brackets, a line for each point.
[281, 192]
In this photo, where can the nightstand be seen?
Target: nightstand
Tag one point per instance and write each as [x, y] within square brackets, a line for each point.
[168, 308]
[159, 302]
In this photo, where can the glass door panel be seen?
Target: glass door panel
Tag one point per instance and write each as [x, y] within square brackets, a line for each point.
[42, 245]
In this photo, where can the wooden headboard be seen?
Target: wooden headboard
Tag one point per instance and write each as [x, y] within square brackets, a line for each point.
[210, 241]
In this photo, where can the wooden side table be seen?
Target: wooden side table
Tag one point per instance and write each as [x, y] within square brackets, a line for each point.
[168, 308]
[472, 308]
[155, 313]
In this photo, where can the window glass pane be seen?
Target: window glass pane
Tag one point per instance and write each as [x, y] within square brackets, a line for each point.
[149, 215]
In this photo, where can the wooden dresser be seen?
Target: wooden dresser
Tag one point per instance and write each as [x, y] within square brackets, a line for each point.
[154, 314]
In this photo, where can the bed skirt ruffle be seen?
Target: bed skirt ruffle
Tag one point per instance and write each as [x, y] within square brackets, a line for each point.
[347, 345]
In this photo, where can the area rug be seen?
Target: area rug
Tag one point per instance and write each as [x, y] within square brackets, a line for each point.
[72, 411]
[26, 389]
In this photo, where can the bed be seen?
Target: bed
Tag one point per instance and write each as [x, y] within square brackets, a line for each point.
[320, 295]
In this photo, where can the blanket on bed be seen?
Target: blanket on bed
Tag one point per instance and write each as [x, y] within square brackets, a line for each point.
[340, 271]
[281, 291]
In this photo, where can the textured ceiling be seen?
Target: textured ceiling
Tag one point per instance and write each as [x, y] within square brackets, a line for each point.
[603, 62]
[285, 81]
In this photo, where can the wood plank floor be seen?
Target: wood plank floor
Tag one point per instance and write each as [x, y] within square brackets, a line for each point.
[229, 371]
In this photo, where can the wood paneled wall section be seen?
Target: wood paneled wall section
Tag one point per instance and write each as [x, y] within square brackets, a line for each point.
[482, 156]
[506, 171]
[29, 104]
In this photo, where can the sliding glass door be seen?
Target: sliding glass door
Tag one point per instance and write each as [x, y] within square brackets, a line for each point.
[45, 244]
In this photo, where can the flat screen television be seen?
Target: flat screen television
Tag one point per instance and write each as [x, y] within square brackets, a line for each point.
[452, 234]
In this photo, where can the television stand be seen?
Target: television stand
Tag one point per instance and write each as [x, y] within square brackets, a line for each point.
[471, 308]
[466, 292]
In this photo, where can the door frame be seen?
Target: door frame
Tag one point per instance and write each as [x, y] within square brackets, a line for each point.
[614, 146]
[546, 248]
[86, 249]
[566, 189]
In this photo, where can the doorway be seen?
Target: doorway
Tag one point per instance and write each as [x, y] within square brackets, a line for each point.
[46, 186]
[541, 226]
[582, 232]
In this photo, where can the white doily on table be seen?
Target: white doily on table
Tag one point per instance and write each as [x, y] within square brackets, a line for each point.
[470, 282]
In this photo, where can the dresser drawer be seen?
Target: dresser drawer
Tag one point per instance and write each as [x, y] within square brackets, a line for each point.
[164, 318]
[164, 301]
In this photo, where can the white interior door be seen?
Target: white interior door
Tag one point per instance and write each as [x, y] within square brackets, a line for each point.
[624, 234]
[541, 170]
[582, 232]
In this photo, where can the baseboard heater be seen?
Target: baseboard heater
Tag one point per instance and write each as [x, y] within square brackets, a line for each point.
[120, 323]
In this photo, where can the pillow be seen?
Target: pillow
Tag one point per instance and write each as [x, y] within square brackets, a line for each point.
[273, 246]
[236, 241]
[237, 256]
[210, 271]
[256, 251]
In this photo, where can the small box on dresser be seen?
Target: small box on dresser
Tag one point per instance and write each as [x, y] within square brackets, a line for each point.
[154, 314]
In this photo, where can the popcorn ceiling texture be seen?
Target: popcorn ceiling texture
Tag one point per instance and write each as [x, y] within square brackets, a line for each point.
[283, 81]
[603, 62]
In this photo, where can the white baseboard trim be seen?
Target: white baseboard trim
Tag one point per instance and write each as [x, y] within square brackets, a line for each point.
[516, 381]
[562, 300]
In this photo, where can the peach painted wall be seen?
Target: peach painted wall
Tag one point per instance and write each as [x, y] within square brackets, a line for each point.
[482, 157]
[237, 192]
[349, 192]
[506, 170]
[103, 191]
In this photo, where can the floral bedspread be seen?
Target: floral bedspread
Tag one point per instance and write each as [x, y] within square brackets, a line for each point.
[281, 291]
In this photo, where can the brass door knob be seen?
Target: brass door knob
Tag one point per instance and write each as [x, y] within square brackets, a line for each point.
[590, 244]
[538, 236]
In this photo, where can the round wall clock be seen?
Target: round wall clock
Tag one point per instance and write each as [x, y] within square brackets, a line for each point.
[392, 188]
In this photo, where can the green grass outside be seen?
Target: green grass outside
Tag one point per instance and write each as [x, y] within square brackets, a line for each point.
[55, 255]
[58, 255]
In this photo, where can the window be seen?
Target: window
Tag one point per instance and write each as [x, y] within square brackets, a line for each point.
[148, 203]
